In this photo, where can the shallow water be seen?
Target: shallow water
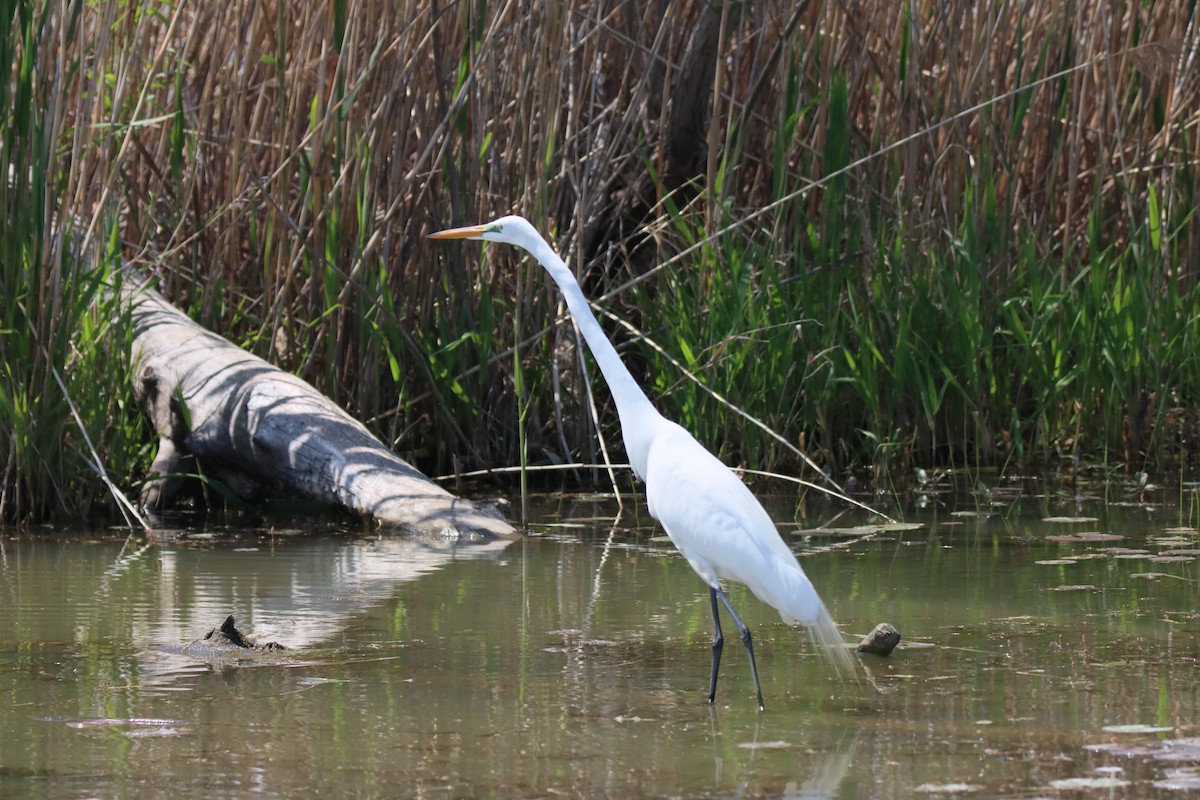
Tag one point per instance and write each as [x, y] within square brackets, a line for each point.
[1041, 658]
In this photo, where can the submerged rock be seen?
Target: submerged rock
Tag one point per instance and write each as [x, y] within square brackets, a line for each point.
[881, 641]
[229, 639]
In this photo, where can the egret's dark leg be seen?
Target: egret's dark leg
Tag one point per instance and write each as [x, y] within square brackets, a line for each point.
[745, 632]
[718, 643]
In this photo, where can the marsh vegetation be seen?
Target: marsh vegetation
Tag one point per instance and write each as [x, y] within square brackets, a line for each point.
[921, 234]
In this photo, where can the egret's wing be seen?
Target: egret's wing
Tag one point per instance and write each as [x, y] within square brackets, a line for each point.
[724, 532]
[707, 511]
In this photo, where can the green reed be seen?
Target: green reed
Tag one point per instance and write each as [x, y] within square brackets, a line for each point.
[63, 336]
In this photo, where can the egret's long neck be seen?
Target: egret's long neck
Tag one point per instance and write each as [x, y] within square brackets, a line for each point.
[637, 413]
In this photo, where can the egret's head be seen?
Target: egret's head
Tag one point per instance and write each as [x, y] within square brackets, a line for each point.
[510, 230]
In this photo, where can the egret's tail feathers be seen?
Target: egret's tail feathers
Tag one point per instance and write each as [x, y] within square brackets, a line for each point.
[793, 595]
[828, 638]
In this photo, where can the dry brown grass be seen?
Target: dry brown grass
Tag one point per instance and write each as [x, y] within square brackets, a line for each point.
[278, 164]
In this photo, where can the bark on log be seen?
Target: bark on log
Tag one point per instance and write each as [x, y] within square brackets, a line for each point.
[251, 423]
[686, 149]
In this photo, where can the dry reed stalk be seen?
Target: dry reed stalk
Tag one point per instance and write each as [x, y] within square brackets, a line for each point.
[316, 151]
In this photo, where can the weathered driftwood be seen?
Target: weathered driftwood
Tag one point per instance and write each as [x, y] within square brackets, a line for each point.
[251, 424]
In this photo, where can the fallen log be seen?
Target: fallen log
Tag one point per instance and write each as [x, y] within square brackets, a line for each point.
[252, 424]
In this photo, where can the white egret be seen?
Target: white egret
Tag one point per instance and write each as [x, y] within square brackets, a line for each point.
[708, 513]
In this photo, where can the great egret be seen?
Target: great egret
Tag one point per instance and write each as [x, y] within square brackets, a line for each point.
[708, 513]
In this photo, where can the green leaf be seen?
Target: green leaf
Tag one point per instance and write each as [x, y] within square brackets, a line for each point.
[1155, 219]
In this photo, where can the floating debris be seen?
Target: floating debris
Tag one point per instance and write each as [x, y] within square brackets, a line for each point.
[1114, 749]
[948, 788]
[134, 727]
[862, 530]
[1089, 783]
[1186, 749]
[147, 733]
[1054, 562]
[1137, 728]
[1085, 536]
[1182, 779]
[109, 722]
[1071, 520]
[1171, 541]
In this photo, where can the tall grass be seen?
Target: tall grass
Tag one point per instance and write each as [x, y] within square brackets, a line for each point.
[935, 233]
[58, 309]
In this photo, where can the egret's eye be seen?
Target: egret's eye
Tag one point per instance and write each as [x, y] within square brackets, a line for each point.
[495, 229]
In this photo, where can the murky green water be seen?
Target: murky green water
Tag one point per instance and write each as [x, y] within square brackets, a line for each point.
[575, 662]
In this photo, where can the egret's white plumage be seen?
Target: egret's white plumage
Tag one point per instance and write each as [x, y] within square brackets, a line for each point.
[709, 514]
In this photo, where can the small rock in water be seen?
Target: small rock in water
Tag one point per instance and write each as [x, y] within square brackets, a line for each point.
[229, 637]
[881, 641]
